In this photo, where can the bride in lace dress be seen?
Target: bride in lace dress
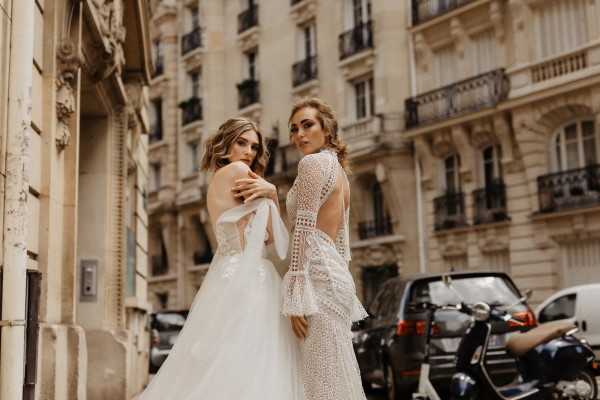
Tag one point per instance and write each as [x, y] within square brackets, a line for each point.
[236, 344]
[319, 293]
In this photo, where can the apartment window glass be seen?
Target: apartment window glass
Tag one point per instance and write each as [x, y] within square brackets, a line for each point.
[156, 172]
[364, 97]
[575, 146]
[444, 66]
[561, 26]
[357, 12]
[195, 84]
[251, 64]
[451, 171]
[194, 17]
[484, 52]
[492, 172]
[155, 120]
[193, 156]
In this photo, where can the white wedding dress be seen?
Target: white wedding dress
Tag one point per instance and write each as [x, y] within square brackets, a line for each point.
[235, 344]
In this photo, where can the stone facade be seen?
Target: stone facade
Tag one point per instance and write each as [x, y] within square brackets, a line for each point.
[505, 123]
[87, 220]
[254, 59]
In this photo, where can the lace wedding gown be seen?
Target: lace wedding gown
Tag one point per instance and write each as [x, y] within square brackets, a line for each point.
[235, 344]
[319, 284]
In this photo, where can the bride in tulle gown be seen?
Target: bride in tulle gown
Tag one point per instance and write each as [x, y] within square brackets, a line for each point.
[235, 344]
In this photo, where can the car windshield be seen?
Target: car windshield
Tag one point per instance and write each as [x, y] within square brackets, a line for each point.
[493, 290]
[170, 321]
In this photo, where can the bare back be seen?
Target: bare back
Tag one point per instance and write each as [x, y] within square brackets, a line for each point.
[219, 197]
[331, 213]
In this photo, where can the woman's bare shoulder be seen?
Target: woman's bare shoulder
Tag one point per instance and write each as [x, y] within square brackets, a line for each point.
[231, 172]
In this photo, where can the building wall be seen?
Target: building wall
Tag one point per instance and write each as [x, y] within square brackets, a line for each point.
[87, 174]
[378, 152]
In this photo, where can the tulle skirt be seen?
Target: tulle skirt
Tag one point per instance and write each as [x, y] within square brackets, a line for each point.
[235, 344]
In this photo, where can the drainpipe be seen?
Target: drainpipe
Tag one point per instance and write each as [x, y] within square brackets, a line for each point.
[413, 92]
[14, 270]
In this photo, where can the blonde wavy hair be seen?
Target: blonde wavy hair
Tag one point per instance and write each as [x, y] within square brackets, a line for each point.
[327, 118]
[217, 148]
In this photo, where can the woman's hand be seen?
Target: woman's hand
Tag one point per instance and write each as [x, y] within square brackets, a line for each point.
[299, 326]
[254, 187]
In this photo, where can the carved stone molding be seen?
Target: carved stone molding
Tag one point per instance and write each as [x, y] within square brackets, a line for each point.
[304, 11]
[493, 240]
[378, 255]
[460, 37]
[497, 18]
[460, 137]
[483, 135]
[443, 145]
[423, 52]
[248, 40]
[110, 57]
[453, 245]
[69, 63]
[427, 160]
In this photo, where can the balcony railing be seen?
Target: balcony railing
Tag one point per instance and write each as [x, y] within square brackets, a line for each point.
[304, 71]
[449, 211]
[490, 204]
[356, 40]
[191, 40]
[248, 93]
[424, 10]
[467, 96]
[375, 228]
[569, 189]
[248, 19]
[191, 110]
[159, 265]
[159, 64]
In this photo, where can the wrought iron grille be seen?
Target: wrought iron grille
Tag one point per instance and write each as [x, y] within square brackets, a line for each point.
[375, 228]
[470, 95]
[356, 40]
[248, 19]
[304, 71]
[424, 10]
[569, 189]
[191, 110]
[449, 211]
[248, 93]
[490, 204]
[191, 40]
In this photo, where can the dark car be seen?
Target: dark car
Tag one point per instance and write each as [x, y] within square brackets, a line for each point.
[389, 346]
[164, 329]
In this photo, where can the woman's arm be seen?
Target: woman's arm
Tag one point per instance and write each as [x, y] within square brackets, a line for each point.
[254, 186]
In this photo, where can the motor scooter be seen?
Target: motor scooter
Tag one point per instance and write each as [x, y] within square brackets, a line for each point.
[552, 362]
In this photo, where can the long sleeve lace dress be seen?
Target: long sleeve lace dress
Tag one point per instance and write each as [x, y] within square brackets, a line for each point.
[319, 285]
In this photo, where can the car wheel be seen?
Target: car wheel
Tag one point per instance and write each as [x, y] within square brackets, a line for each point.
[390, 383]
[590, 380]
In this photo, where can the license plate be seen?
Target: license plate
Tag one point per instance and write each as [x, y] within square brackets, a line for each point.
[497, 341]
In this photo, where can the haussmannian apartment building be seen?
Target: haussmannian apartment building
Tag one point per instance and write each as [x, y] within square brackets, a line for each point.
[85, 181]
[472, 125]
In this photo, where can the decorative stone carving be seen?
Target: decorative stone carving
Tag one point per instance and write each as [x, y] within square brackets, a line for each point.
[459, 36]
[304, 11]
[69, 64]
[378, 255]
[112, 57]
[426, 160]
[497, 18]
[442, 144]
[422, 52]
[482, 135]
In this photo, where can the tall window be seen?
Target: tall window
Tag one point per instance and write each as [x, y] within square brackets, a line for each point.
[309, 36]
[444, 66]
[193, 157]
[358, 12]
[575, 146]
[194, 18]
[155, 120]
[483, 48]
[492, 168]
[195, 84]
[156, 172]
[364, 98]
[251, 65]
[451, 174]
[560, 26]
[378, 206]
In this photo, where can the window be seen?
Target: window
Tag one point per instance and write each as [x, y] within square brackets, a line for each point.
[364, 98]
[561, 308]
[444, 66]
[451, 174]
[492, 167]
[378, 206]
[155, 120]
[195, 84]
[308, 41]
[251, 68]
[163, 299]
[560, 26]
[483, 48]
[575, 146]
[193, 157]
[357, 12]
[194, 18]
[156, 171]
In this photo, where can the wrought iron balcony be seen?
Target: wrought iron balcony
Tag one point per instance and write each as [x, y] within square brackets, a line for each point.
[424, 10]
[375, 228]
[159, 265]
[356, 40]
[569, 189]
[248, 19]
[304, 71]
[490, 204]
[467, 96]
[159, 64]
[449, 211]
[191, 110]
[248, 93]
[191, 40]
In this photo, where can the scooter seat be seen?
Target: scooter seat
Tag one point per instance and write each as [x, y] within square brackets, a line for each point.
[511, 391]
[520, 343]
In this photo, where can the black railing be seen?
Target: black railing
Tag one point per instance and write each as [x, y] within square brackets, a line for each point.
[569, 189]
[191, 40]
[490, 204]
[470, 95]
[424, 10]
[248, 93]
[294, 2]
[160, 266]
[32, 329]
[304, 71]
[375, 228]
[203, 257]
[356, 40]
[248, 19]
[449, 211]
[191, 110]
[155, 133]
[159, 66]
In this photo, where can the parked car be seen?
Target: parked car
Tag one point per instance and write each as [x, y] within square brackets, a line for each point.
[577, 304]
[164, 329]
[390, 344]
